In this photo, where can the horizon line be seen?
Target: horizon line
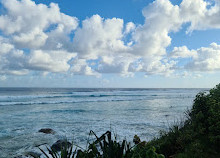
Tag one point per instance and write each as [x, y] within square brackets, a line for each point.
[116, 87]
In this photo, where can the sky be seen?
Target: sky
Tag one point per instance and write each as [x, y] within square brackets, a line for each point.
[110, 43]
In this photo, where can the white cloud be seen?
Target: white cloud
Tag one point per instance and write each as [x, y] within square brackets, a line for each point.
[187, 74]
[5, 47]
[183, 52]
[130, 27]
[36, 37]
[103, 39]
[151, 39]
[80, 67]
[52, 61]
[57, 40]
[15, 61]
[208, 59]
[99, 37]
[43, 30]
[117, 64]
[201, 14]
[162, 67]
[28, 23]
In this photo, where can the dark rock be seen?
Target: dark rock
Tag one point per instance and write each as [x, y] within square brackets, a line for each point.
[47, 131]
[60, 144]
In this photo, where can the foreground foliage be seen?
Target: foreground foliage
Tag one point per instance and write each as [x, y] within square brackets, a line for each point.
[199, 135]
[106, 147]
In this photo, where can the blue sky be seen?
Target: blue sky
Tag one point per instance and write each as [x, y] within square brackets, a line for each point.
[128, 10]
[102, 43]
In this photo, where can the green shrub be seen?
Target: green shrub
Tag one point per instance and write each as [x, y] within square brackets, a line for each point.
[200, 134]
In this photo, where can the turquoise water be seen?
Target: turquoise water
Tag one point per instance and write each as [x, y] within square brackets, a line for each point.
[72, 113]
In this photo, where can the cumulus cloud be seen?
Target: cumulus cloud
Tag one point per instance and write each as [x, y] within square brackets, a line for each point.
[103, 39]
[5, 46]
[207, 59]
[99, 37]
[130, 27]
[151, 39]
[52, 61]
[117, 64]
[28, 23]
[201, 14]
[33, 39]
[19, 63]
[80, 67]
[43, 31]
[183, 52]
[12, 60]
[37, 37]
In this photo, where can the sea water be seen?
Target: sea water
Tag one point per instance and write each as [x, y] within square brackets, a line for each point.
[72, 113]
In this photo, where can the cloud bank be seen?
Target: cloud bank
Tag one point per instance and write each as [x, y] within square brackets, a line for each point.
[37, 37]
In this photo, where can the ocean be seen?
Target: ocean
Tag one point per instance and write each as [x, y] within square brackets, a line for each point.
[73, 112]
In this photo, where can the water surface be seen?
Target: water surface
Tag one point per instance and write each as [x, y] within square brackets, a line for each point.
[72, 113]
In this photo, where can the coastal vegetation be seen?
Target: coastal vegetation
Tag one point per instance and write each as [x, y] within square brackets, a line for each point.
[199, 135]
[104, 147]
[196, 137]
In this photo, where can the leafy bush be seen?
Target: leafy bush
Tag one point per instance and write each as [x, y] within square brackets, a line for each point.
[199, 135]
